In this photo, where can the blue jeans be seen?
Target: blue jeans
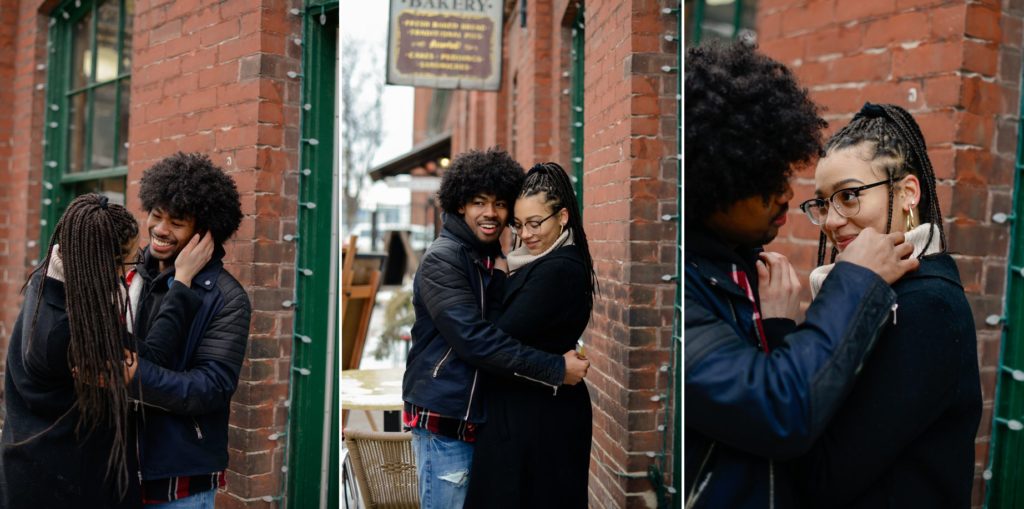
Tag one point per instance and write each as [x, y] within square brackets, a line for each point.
[202, 500]
[442, 468]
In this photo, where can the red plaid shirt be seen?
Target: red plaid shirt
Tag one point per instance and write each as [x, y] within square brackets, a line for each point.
[161, 491]
[418, 417]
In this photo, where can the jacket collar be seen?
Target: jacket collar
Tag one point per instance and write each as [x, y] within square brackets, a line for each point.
[455, 227]
[149, 269]
[713, 259]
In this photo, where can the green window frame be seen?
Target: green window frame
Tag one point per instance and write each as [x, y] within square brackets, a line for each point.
[576, 55]
[87, 104]
[718, 19]
[314, 424]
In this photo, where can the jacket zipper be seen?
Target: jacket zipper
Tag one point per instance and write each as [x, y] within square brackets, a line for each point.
[199, 432]
[471, 391]
[538, 381]
[698, 485]
[441, 362]
[893, 308]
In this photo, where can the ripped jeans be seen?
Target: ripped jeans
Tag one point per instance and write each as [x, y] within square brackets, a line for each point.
[442, 467]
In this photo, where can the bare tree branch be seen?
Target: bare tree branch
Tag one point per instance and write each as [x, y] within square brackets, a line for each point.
[362, 130]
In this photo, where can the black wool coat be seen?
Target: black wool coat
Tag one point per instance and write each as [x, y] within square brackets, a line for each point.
[534, 449]
[44, 463]
[905, 436]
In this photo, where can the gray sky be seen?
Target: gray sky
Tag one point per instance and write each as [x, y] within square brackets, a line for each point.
[368, 20]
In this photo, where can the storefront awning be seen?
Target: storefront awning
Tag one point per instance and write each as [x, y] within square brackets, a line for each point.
[425, 155]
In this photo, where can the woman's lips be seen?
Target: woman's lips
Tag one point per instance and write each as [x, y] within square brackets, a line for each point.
[842, 242]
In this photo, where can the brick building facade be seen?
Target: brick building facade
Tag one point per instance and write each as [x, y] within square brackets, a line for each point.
[956, 66]
[222, 78]
[593, 85]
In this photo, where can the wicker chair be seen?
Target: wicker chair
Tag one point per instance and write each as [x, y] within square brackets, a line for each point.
[384, 467]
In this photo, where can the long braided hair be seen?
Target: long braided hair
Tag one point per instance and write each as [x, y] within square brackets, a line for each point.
[92, 235]
[893, 135]
[551, 179]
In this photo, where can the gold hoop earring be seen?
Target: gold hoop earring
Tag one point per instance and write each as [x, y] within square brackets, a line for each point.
[910, 218]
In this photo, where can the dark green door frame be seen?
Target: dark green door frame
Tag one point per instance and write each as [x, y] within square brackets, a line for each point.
[313, 423]
[576, 114]
[1004, 472]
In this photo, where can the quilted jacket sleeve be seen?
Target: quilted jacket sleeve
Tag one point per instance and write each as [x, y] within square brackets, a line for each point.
[450, 299]
[212, 376]
[775, 405]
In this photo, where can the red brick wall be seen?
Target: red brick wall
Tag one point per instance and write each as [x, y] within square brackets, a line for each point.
[956, 67]
[23, 35]
[630, 135]
[630, 132]
[209, 78]
[212, 78]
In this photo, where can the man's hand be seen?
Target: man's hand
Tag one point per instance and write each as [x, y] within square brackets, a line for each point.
[779, 287]
[887, 255]
[193, 258]
[575, 368]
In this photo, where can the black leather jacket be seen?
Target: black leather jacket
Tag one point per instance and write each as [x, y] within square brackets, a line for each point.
[185, 425]
[451, 339]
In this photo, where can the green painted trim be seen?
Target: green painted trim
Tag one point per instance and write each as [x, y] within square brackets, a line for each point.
[578, 54]
[1003, 486]
[677, 315]
[307, 453]
[56, 158]
[81, 176]
[737, 18]
[698, 22]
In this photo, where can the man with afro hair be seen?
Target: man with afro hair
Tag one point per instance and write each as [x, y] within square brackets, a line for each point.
[758, 387]
[183, 439]
[452, 338]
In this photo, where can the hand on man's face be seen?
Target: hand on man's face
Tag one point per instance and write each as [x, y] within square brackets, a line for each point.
[168, 235]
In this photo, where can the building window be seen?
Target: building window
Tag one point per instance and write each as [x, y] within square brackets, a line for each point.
[718, 19]
[88, 97]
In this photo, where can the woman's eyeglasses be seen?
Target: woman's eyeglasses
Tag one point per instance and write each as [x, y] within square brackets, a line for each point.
[846, 203]
[135, 261]
[530, 226]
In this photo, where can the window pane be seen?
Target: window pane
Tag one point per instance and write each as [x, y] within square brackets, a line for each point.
[103, 126]
[76, 133]
[107, 24]
[122, 123]
[81, 51]
[126, 53]
[112, 188]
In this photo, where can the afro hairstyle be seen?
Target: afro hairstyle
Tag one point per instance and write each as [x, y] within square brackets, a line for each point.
[191, 186]
[480, 172]
[748, 123]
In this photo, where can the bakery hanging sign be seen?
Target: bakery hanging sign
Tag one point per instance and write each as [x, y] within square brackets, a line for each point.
[445, 44]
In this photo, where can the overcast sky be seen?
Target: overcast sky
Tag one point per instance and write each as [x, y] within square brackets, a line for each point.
[368, 20]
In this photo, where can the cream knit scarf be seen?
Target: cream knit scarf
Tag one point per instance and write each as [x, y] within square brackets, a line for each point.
[521, 256]
[918, 236]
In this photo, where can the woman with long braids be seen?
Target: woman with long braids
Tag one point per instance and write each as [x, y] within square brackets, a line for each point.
[534, 450]
[69, 433]
[905, 435]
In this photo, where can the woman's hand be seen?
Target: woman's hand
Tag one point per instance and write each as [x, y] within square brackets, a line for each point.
[501, 264]
[131, 364]
[778, 286]
[193, 258]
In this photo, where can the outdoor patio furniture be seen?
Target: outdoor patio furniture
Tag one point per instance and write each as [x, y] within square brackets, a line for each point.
[384, 467]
